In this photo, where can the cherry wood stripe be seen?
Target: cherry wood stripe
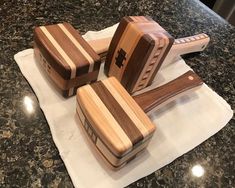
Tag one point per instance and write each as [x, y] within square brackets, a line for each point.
[60, 50]
[135, 113]
[79, 47]
[104, 123]
[118, 112]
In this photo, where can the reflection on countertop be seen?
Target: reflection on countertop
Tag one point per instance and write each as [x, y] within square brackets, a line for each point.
[29, 157]
[28, 104]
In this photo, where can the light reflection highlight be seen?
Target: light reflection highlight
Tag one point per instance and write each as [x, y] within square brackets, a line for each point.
[198, 171]
[28, 104]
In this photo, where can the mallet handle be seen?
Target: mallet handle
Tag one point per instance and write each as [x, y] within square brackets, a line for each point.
[166, 93]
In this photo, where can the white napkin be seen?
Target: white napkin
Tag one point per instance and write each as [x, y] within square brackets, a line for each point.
[181, 125]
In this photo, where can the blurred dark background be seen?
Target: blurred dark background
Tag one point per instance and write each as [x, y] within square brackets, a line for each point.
[225, 8]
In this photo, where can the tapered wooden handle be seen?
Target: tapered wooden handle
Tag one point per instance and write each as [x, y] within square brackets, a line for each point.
[190, 44]
[100, 45]
[153, 98]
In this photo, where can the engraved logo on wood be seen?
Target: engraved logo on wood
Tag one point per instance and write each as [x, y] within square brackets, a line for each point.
[120, 58]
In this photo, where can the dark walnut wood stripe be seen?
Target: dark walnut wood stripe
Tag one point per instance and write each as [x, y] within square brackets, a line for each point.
[80, 81]
[53, 57]
[57, 61]
[137, 62]
[85, 45]
[117, 112]
[71, 50]
[114, 43]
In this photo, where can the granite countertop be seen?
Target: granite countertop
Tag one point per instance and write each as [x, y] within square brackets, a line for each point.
[28, 156]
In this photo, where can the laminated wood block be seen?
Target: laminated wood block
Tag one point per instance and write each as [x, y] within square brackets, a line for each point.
[137, 51]
[66, 57]
[116, 123]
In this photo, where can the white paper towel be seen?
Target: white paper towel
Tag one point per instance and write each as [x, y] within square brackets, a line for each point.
[181, 125]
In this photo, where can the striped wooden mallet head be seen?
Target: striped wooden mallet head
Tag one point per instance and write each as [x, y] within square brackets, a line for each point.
[140, 46]
[137, 51]
[67, 58]
[116, 123]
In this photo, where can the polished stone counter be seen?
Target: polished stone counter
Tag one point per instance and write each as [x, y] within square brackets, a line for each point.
[28, 156]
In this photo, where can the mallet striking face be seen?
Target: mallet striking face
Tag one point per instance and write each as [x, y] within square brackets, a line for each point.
[67, 58]
[117, 123]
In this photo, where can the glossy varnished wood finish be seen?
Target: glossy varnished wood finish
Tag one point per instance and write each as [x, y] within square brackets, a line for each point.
[112, 160]
[118, 121]
[118, 112]
[114, 43]
[153, 98]
[66, 56]
[122, 128]
[138, 39]
[186, 45]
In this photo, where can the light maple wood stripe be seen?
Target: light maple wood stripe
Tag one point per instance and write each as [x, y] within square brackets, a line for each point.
[80, 114]
[142, 18]
[60, 50]
[76, 43]
[71, 91]
[134, 18]
[139, 18]
[149, 27]
[104, 120]
[122, 98]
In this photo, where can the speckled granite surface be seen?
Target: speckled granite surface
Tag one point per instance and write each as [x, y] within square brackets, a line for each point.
[28, 156]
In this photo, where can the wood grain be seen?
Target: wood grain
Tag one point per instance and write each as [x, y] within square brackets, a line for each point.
[140, 55]
[113, 161]
[100, 46]
[140, 119]
[103, 122]
[114, 42]
[66, 57]
[84, 44]
[118, 124]
[66, 87]
[127, 68]
[118, 112]
[153, 98]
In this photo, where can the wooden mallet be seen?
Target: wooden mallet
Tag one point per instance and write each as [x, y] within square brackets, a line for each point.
[140, 46]
[117, 123]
